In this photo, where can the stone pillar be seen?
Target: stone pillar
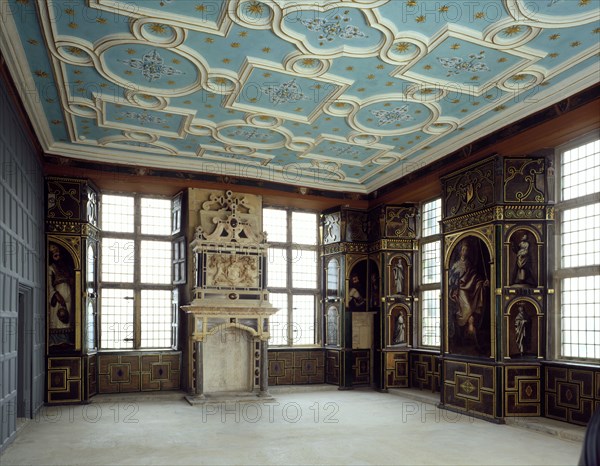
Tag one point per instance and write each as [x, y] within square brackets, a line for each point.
[199, 393]
[264, 368]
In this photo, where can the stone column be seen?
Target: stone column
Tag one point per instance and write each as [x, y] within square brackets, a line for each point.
[199, 393]
[264, 368]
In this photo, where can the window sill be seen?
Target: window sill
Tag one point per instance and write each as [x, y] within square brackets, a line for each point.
[295, 348]
[131, 351]
[594, 363]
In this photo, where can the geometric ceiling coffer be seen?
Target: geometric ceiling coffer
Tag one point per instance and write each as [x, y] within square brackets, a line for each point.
[126, 117]
[297, 98]
[337, 95]
[151, 69]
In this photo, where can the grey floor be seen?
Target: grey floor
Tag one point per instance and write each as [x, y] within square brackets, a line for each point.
[310, 426]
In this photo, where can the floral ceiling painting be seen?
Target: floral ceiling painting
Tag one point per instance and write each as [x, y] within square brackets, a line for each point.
[341, 95]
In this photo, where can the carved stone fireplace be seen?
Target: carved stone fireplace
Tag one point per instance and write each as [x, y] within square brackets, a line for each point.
[230, 309]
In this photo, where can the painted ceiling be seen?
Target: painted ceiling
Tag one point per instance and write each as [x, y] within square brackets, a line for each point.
[341, 95]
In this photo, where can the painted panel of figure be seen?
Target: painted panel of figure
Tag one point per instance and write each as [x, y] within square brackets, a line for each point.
[374, 286]
[61, 298]
[469, 298]
[523, 259]
[357, 292]
[523, 330]
[398, 326]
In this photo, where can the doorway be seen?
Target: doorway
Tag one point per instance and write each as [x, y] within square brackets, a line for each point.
[24, 354]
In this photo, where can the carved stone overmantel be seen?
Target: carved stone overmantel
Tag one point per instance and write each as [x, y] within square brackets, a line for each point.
[230, 308]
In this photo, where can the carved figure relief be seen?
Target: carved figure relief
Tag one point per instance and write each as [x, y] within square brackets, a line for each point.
[233, 271]
[469, 298]
[61, 295]
[524, 259]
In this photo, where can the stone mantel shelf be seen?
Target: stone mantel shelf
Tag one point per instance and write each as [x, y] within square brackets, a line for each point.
[230, 308]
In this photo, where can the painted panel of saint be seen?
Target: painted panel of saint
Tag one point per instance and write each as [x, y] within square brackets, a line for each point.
[61, 296]
[469, 298]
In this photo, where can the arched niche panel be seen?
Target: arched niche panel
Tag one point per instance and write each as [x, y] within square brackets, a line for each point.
[399, 325]
[64, 289]
[332, 278]
[399, 274]
[468, 298]
[332, 325]
[524, 321]
[523, 253]
[357, 279]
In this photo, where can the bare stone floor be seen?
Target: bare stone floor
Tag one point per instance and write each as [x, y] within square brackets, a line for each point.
[301, 426]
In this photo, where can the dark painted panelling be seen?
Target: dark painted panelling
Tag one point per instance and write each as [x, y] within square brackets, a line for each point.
[522, 390]
[396, 369]
[333, 366]
[571, 393]
[21, 265]
[425, 371]
[134, 372]
[361, 367]
[470, 387]
[65, 382]
[296, 367]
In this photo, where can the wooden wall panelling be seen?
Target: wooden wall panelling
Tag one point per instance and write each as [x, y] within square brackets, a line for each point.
[522, 390]
[361, 367]
[396, 368]
[296, 367]
[333, 366]
[571, 394]
[119, 373]
[470, 387]
[65, 383]
[424, 371]
[160, 371]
